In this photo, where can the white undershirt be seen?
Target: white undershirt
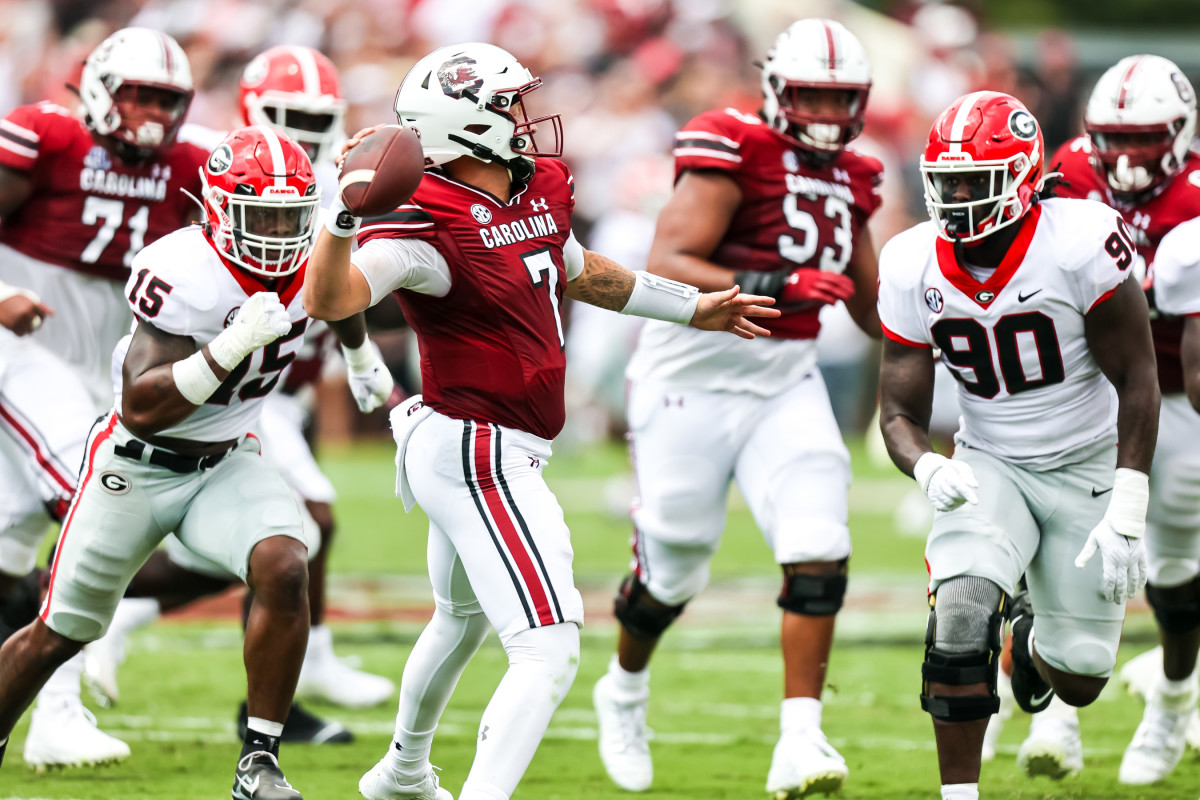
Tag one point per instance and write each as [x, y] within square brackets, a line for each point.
[416, 265]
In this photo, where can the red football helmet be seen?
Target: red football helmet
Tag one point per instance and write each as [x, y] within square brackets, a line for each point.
[261, 201]
[296, 90]
[982, 165]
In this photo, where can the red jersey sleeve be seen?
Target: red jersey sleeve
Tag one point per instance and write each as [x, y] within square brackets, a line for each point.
[409, 221]
[29, 132]
[712, 140]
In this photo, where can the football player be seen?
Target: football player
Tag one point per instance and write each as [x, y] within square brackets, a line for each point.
[218, 317]
[480, 259]
[778, 204]
[1033, 309]
[295, 90]
[80, 194]
[1140, 121]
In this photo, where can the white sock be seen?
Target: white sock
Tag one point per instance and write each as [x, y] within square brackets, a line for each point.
[1059, 710]
[1176, 695]
[631, 685]
[63, 686]
[265, 726]
[960, 791]
[133, 613]
[432, 671]
[799, 713]
[541, 668]
[320, 645]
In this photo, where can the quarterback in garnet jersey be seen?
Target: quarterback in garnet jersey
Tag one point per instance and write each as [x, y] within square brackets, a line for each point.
[777, 203]
[480, 259]
[1140, 121]
[79, 197]
[1032, 305]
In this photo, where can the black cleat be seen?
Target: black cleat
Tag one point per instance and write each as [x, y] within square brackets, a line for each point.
[1030, 689]
[259, 777]
[303, 727]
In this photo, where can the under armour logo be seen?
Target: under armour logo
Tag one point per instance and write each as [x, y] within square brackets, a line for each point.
[841, 175]
[539, 204]
[534, 463]
[1140, 220]
[483, 734]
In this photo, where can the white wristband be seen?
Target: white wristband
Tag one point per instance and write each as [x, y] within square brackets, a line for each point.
[925, 466]
[1127, 509]
[359, 359]
[340, 221]
[194, 378]
[656, 297]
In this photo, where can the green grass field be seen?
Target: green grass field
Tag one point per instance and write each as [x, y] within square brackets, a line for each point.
[716, 684]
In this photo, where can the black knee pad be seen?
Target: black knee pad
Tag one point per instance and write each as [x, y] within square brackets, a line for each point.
[642, 619]
[962, 669]
[1177, 609]
[814, 595]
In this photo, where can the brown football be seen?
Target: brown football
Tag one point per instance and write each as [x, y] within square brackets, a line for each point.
[382, 171]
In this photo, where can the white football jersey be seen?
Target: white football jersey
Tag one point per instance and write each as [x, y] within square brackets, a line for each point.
[181, 286]
[1177, 271]
[1030, 391]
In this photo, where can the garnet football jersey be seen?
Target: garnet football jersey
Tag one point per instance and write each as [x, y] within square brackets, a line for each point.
[88, 210]
[1176, 201]
[492, 346]
[1030, 391]
[790, 214]
[181, 286]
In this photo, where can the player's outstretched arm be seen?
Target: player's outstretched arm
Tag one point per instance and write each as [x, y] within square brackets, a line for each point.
[165, 378]
[1118, 336]
[371, 383]
[333, 288]
[690, 226]
[605, 283]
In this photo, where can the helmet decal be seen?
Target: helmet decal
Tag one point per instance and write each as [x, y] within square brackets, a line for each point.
[1023, 125]
[256, 71]
[220, 161]
[458, 76]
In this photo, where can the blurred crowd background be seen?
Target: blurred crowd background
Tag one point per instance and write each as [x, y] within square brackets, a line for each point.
[625, 74]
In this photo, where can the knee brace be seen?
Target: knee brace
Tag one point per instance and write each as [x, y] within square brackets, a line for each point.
[643, 618]
[1177, 609]
[814, 595]
[964, 649]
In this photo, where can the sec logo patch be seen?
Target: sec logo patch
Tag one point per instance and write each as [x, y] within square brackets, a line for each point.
[933, 299]
[115, 482]
[481, 214]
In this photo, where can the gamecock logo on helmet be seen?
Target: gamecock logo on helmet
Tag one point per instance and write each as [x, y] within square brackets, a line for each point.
[458, 76]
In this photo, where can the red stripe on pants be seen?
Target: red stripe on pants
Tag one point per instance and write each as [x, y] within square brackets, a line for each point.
[508, 531]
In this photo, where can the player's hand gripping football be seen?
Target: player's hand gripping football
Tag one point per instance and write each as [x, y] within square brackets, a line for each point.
[352, 142]
[946, 482]
[370, 381]
[1118, 538]
[22, 311]
[732, 311]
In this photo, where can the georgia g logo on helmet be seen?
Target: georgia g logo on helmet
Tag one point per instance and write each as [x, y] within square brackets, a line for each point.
[1023, 125]
[220, 161]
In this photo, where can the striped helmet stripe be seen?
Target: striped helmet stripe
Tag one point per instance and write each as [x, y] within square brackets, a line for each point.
[1126, 79]
[308, 70]
[830, 46]
[166, 46]
[278, 163]
[960, 120]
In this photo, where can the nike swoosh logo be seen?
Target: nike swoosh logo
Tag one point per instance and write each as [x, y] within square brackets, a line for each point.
[1102, 491]
[1021, 298]
[1037, 701]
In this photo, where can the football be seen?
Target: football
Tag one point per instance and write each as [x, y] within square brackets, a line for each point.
[382, 171]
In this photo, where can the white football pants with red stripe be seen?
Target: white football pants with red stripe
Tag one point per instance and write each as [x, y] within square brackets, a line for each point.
[497, 539]
[45, 415]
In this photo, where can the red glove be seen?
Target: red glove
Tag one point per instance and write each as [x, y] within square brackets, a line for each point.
[806, 287]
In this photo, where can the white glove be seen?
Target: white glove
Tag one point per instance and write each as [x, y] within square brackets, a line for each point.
[946, 482]
[261, 320]
[1118, 537]
[370, 381]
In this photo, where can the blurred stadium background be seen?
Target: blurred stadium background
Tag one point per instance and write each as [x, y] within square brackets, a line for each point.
[624, 74]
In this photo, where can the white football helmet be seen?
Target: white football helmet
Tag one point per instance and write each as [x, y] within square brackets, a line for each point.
[815, 54]
[1141, 119]
[468, 100]
[129, 60]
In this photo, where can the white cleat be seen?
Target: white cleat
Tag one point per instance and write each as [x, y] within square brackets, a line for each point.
[1053, 749]
[323, 676]
[101, 660]
[805, 764]
[382, 783]
[624, 738]
[1159, 741]
[1139, 675]
[65, 735]
[996, 724]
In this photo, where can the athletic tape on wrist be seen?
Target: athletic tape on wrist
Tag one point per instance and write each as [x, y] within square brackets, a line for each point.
[194, 378]
[926, 465]
[359, 359]
[340, 221]
[656, 297]
[1130, 498]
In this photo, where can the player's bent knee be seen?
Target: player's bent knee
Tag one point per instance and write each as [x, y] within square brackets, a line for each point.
[813, 594]
[641, 615]
[1082, 690]
[554, 648]
[963, 640]
[1177, 608]
[279, 564]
